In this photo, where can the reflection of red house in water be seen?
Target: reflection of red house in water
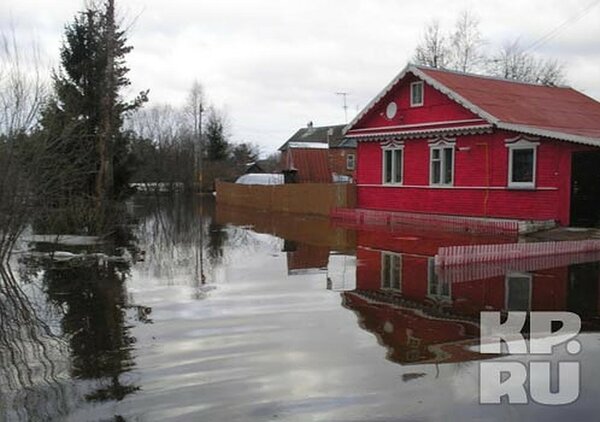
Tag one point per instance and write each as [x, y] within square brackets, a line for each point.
[443, 142]
[422, 317]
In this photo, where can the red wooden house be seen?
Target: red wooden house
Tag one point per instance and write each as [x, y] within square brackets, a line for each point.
[442, 142]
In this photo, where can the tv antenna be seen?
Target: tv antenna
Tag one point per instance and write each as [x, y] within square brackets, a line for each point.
[344, 96]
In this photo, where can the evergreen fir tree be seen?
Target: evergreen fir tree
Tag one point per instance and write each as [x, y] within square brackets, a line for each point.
[85, 114]
[217, 147]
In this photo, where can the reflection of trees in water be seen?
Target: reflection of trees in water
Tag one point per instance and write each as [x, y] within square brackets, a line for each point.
[92, 295]
[33, 361]
[67, 320]
[217, 238]
[245, 238]
[184, 243]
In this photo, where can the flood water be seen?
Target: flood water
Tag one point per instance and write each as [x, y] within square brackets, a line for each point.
[205, 313]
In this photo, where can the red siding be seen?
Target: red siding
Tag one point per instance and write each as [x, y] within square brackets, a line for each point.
[437, 108]
[549, 286]
[480, 161]
[409, 239]
[368, 270]
[406, 328]
[312, 164]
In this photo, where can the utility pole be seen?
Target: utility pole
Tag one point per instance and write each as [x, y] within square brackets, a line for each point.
[195, 108]
[344, 96]
[200, 248]
[104, 178]
[200, 148]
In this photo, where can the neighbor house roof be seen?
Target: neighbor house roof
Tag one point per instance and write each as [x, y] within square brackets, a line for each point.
[326, 135]
[550, 111]
[311, 164]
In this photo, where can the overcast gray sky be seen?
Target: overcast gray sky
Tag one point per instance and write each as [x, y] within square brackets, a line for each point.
[275, 65]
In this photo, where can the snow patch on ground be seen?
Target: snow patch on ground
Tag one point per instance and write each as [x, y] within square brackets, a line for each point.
[63, 239]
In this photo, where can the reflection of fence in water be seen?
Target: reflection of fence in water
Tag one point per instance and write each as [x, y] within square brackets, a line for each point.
[435, 222]
[309, 229]
[480, 271]
[457, 255]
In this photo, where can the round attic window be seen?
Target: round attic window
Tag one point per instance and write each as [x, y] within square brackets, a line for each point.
[391, 110]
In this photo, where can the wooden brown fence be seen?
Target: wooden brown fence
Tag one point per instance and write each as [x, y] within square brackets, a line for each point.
[302, 198]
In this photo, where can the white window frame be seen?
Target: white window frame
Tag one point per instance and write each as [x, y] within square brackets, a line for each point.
[521, 144]
[412, 88]
[348, 166]
[433, 279]
[440, 146]
[508, 277]
[392, 256]
[383, 168]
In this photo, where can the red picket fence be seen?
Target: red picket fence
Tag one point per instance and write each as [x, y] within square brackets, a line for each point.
[442, 222]
[469, 254]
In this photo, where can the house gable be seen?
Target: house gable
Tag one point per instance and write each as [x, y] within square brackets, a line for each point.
[441, 111]
[394, 111]
[552, 112]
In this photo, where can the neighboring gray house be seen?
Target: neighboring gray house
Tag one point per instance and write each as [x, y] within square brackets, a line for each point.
[338, 160]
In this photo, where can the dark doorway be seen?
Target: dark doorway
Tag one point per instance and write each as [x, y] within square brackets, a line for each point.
[585, 189]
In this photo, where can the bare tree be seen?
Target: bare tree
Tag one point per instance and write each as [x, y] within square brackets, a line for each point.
[466, 42]
[551, 72]
[164, 147]
[22, 92]
[513, 62]
[271, 164]
[433, 49]
[462, 50]
[21, 96]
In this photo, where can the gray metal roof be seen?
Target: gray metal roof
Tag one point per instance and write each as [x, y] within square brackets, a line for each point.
[332, 135]
[347, 143]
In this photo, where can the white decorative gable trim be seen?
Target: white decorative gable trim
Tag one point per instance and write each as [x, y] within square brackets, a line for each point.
[442, 141]
[425, 133]
[522, 141]
[392, 144]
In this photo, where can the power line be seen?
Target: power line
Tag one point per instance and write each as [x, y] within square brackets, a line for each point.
[551, 34]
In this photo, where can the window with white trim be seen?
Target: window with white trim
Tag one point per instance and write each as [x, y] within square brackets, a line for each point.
[436, 287]
[416, 94]
[350, 161]
[393, 163]
[522, 156]
[391, 271]
[518, 291]
[441, 170]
